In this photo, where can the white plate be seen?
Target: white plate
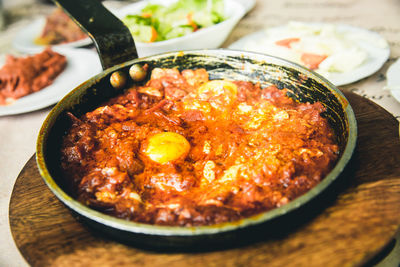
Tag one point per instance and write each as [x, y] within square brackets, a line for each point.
[82, 64]
[24, 39]
[247, 4]
[377, 56]
[393, 79]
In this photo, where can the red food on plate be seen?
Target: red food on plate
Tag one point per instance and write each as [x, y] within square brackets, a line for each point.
[26, 75]
[312, 61]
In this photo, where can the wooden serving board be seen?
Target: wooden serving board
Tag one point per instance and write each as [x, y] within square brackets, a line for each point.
[350, 231]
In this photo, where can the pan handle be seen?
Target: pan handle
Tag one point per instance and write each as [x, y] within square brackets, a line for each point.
[112, 38]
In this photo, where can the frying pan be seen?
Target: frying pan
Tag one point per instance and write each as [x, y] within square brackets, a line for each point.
[117, 52]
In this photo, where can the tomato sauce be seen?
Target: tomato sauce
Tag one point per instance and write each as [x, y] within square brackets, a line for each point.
[184, 150]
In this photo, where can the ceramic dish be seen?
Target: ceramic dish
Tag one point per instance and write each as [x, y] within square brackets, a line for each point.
[210, 37]
[81, 65]
[373, 44]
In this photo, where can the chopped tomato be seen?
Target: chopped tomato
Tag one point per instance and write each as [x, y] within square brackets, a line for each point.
[146, 15]
[312, 61]
[154, 35]
[287, 42]
[191, 22]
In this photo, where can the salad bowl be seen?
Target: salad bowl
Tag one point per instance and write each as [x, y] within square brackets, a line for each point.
[204, 38]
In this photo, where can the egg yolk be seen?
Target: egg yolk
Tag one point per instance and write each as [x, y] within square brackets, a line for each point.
[166, 147]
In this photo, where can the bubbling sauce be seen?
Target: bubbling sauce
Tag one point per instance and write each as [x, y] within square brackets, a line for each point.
[186, 151]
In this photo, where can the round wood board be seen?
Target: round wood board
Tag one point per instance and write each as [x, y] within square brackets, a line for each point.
[350, 231]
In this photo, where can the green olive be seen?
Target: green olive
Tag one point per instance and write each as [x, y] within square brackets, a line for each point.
[118, 79]
[137, 73]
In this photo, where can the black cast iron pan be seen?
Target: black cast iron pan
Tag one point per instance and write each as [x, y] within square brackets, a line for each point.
[117, 52]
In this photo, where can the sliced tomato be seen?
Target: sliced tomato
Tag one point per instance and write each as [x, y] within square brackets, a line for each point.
[191, 22]
[312, 61]
[287, 42]
[154, 35]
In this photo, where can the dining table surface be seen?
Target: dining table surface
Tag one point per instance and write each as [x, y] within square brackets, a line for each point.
[18, 133]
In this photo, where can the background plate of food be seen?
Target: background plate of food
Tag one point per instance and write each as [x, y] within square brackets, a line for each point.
[341, 53]
[37, 81]
[56, 30]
